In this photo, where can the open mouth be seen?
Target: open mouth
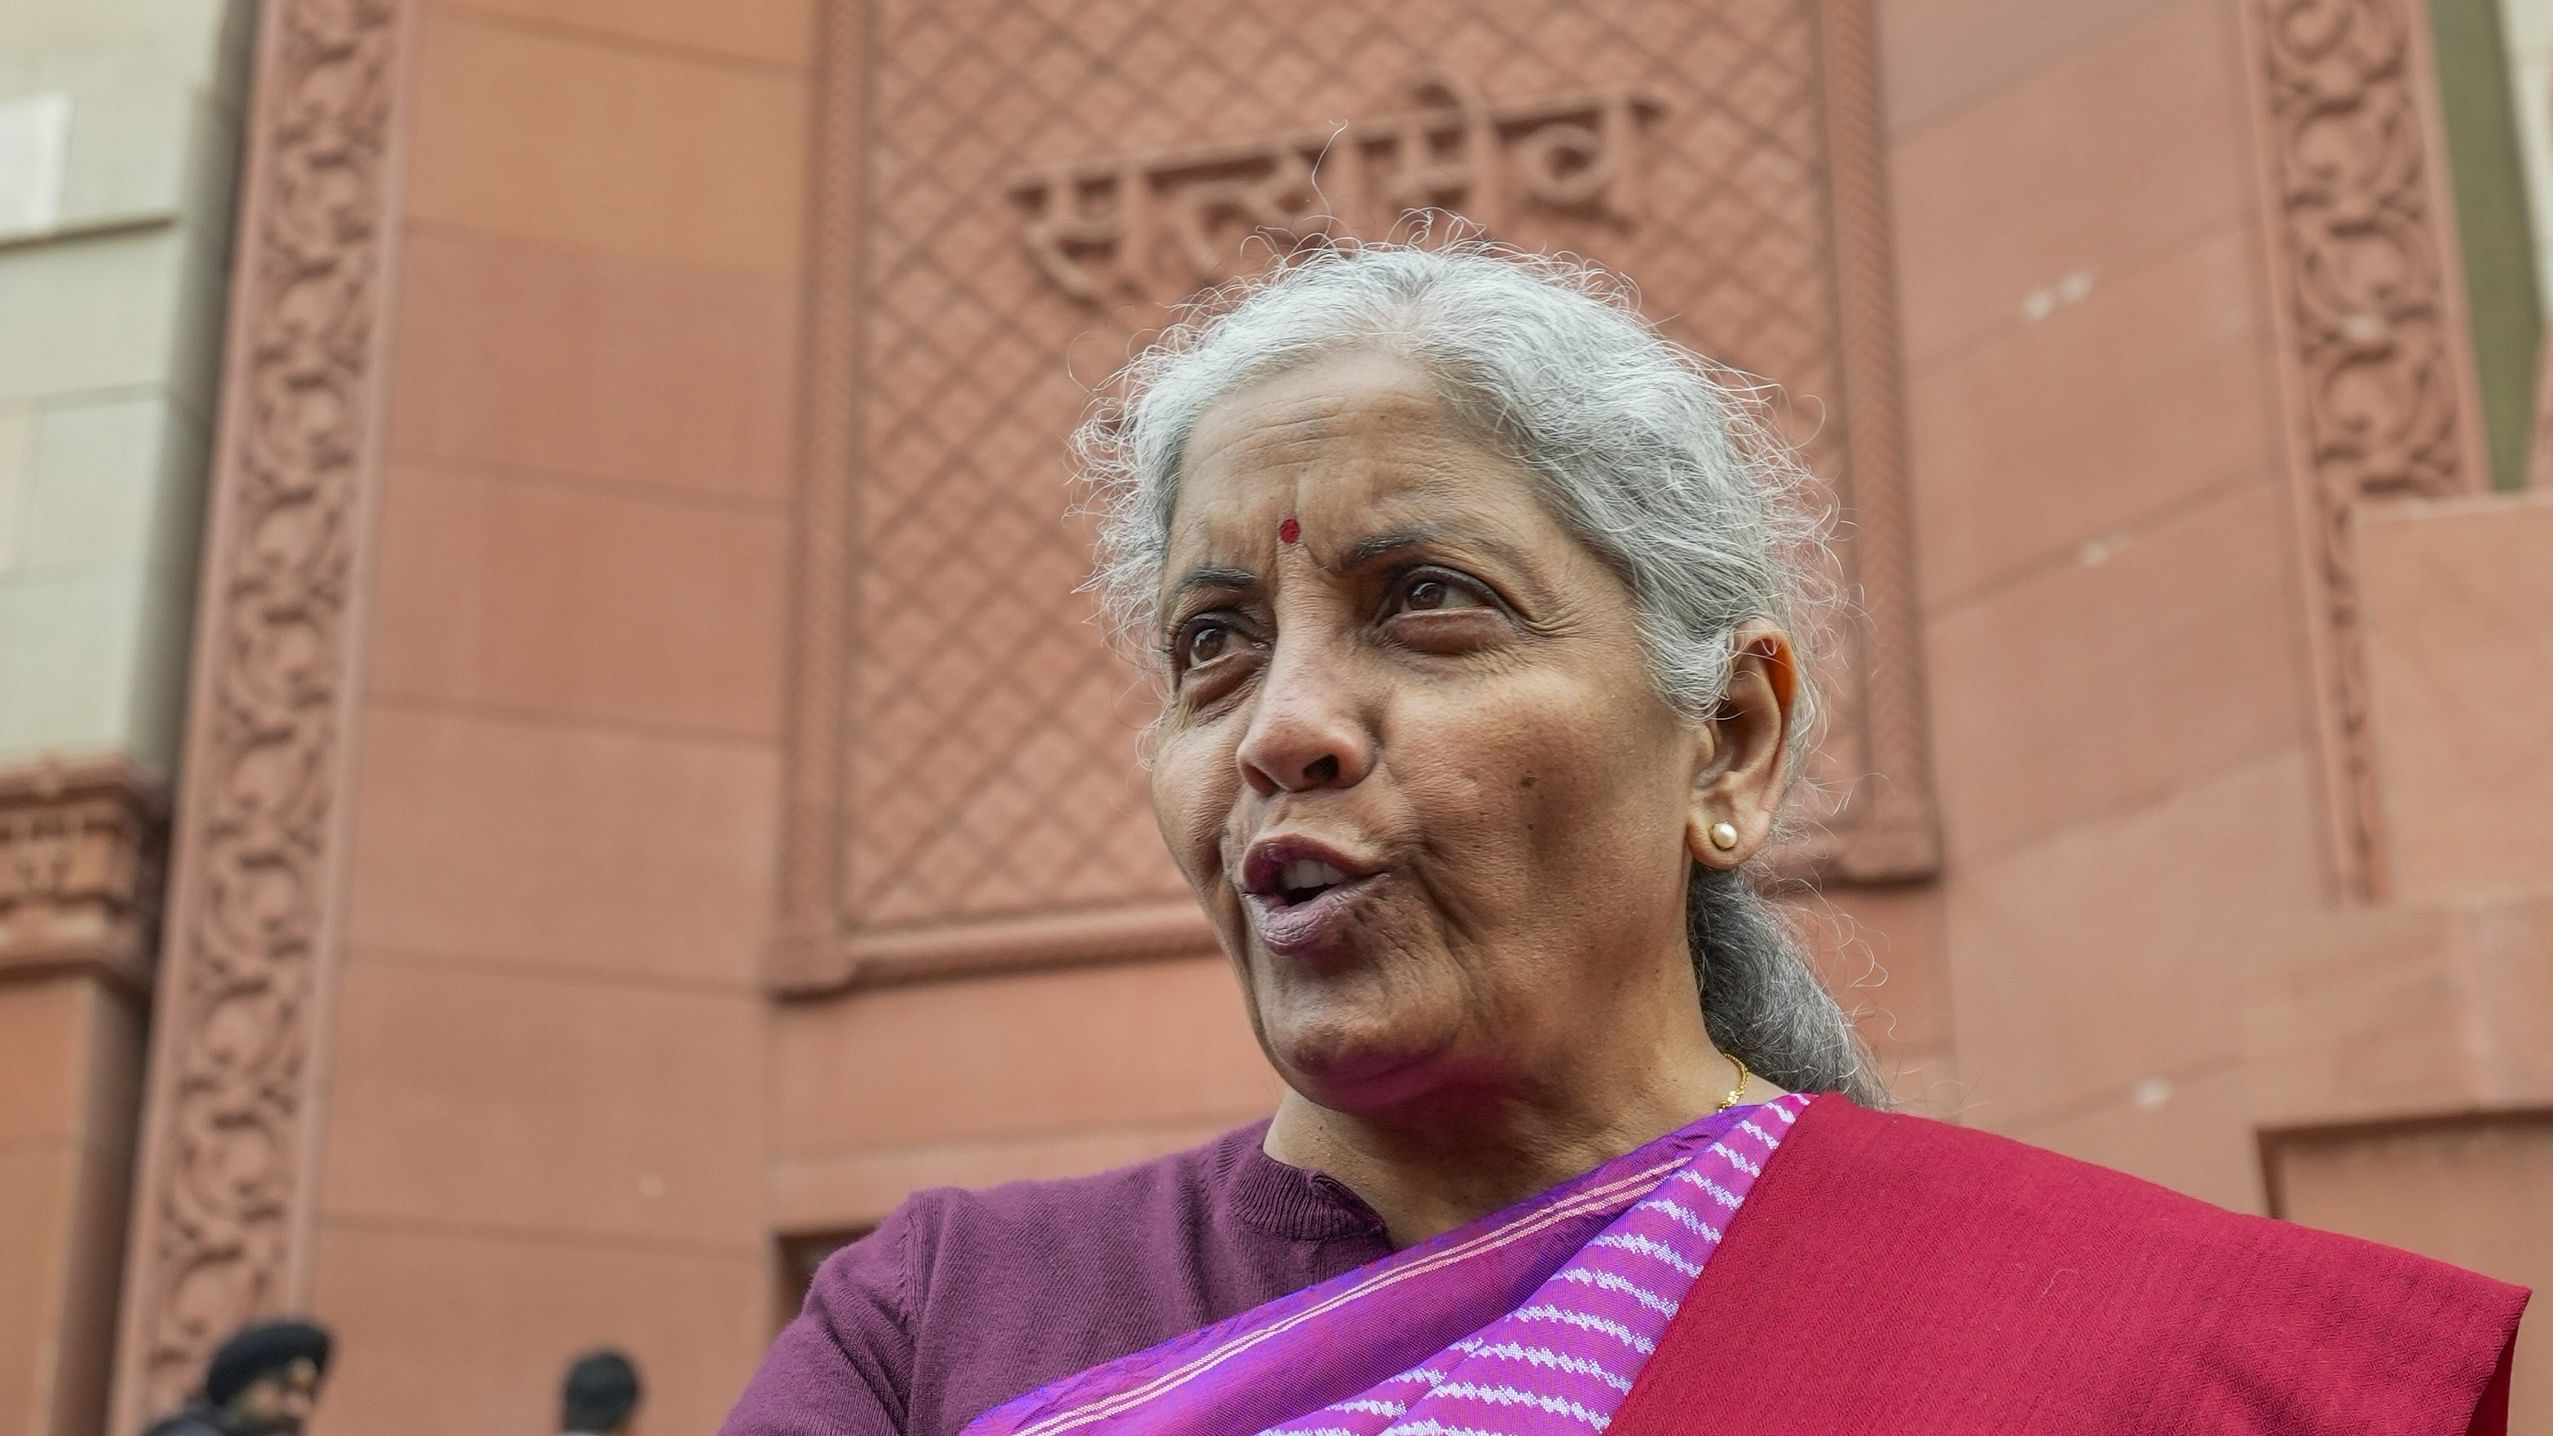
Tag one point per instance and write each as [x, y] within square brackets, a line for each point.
[1302, 893]
[1305, 879]
[1290, 871]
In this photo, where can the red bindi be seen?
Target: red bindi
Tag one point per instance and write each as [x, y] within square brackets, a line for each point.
[1290, 530]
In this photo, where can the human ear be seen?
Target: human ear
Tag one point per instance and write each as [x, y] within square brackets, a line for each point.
[1746, 763]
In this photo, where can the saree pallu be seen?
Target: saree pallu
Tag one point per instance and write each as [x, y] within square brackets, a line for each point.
[1538, 1318]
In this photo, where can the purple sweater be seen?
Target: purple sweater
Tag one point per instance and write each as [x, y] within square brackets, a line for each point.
[961, 1300]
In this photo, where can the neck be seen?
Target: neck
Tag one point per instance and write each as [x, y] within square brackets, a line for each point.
[1437, 1165]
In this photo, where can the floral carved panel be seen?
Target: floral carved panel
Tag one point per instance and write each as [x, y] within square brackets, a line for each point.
[2374, 351]
[1011, 192]
[222, 1204]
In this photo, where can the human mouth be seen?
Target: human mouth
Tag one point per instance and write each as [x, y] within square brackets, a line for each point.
[1302, 894]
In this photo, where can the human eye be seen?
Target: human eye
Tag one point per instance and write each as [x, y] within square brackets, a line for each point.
[1206, 650]
[1201, 641]
[1434, 590]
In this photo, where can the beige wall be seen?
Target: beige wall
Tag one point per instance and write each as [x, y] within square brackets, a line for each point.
[2527, 26]
[119, 123]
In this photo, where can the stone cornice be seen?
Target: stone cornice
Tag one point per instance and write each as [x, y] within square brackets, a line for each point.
[82, 840]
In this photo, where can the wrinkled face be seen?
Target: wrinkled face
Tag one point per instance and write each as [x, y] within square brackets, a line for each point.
[279, 1403]
[1412, 762]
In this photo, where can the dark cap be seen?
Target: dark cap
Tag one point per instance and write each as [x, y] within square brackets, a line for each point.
[262, 1349]
[601, 1392]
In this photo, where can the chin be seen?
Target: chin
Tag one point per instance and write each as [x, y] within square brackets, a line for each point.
[1355, 1065]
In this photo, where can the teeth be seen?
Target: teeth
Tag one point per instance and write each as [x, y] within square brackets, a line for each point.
[1307, 873]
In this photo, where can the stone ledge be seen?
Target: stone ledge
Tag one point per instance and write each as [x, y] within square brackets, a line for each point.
[2374, 1015]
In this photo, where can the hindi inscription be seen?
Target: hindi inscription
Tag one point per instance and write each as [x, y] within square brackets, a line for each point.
[1159, 227]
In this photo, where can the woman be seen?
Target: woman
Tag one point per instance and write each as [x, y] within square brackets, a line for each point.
[1478, 610]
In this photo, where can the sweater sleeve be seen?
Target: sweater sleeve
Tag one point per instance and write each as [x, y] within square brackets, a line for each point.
[844, 1365]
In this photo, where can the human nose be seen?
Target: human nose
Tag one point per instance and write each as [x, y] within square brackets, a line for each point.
[1307, 730]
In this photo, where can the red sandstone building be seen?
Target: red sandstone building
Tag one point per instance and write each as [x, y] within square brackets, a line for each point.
[644, 798]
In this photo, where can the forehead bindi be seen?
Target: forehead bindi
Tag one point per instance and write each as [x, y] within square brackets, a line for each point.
[1321, 458]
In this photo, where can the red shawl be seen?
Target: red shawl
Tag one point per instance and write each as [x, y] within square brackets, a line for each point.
[1918, 1277]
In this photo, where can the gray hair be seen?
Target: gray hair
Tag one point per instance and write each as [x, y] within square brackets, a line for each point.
[1653, 456]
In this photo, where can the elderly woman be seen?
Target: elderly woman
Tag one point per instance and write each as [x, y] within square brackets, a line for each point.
[1478, 612]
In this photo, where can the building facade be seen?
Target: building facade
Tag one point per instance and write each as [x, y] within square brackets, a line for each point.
[633, 795]
[120, 127]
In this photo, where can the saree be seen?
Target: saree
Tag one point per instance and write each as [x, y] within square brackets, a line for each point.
[1537, 1318]
[1911, 1276]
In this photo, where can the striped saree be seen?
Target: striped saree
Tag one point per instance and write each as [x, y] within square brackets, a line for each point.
[1539, 1318]
[1915, 1277]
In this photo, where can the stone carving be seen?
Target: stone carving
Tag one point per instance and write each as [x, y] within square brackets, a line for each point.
[80, 859]
[2369, 309]
[1161, 227]
[223, 1199]
[962, 785]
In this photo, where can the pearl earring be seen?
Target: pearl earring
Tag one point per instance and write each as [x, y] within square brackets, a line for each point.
[1724, 836]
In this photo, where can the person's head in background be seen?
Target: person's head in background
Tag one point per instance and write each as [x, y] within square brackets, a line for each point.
[601, 1395]
[265, 1379]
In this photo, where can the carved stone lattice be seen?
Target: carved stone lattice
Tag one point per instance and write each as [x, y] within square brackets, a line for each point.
[222, 1202]
[80, 854]
[963, 791]
[2369, 309]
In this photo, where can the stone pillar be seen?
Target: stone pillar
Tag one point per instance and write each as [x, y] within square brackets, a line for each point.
[460, 1046]
[222, 1203]
[79, 887]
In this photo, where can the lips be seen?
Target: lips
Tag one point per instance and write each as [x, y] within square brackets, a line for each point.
[1301, 893]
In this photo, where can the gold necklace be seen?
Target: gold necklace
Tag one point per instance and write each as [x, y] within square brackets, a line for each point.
[1735, 1092]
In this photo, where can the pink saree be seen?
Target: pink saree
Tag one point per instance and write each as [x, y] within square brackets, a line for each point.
[1538, 1318]
[1914, 1277]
